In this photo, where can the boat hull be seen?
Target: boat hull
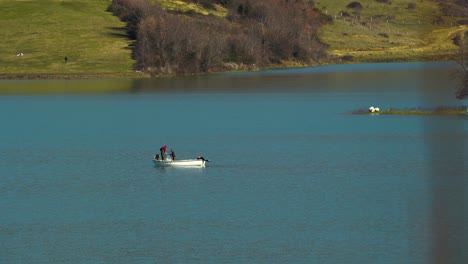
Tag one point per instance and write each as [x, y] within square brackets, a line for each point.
[180, 163]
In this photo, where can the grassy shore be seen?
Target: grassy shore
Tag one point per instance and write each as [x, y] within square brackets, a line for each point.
[73, 76]
[462, 110]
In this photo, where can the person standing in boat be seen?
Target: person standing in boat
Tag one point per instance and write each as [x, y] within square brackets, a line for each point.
[163, 152]
[172, 154]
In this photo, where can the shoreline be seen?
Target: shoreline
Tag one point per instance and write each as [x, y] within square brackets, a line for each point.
[72, 76]
[456, 110]
[139, 75]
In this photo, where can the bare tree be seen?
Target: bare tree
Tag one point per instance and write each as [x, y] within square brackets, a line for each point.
[462, 73]
[155, 52]
[277, 30]
[133, 11]
[213, 44]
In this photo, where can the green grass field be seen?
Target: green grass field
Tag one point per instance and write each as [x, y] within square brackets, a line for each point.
[385, 31]
[47, 31]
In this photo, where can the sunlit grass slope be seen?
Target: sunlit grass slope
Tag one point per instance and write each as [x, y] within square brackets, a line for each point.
[389, 31]
[181, 6]
[47, 31]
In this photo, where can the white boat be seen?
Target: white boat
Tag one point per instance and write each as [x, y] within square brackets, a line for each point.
[199, 162]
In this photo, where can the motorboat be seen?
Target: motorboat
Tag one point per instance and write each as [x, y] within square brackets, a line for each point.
[168, 162]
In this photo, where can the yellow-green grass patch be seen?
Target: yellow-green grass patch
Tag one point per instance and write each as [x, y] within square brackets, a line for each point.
[47, 31]
[181, 6]
[385, 31]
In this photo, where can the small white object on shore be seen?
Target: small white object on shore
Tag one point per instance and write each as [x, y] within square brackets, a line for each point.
[374, 109]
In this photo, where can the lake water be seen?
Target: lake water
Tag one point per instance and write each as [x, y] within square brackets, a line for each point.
[294, 177]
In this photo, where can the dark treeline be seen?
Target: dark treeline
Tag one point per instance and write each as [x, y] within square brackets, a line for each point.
[254, 34]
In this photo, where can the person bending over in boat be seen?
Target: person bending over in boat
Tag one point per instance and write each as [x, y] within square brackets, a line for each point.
[163, 152]
[202, 158]
[156, 156]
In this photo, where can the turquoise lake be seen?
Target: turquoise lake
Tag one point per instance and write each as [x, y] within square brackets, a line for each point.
[294, 177]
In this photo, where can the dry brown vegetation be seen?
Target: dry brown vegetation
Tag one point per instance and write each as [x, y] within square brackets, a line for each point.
[462, 59]
[254, 34]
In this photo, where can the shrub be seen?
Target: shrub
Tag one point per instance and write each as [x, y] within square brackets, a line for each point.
[354, 5]
[388, 2]
[347, 58]
[207, 4]
[385, 35]
[411, 6]
[457, 40]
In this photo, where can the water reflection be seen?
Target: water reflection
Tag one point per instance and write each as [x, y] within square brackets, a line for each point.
[387, 78]
[106, 86]
[393, 77]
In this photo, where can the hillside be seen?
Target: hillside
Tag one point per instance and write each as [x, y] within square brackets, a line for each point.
[381, 30]
[171, 39]
[402, 30]
[95, 42]
[47, 31]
